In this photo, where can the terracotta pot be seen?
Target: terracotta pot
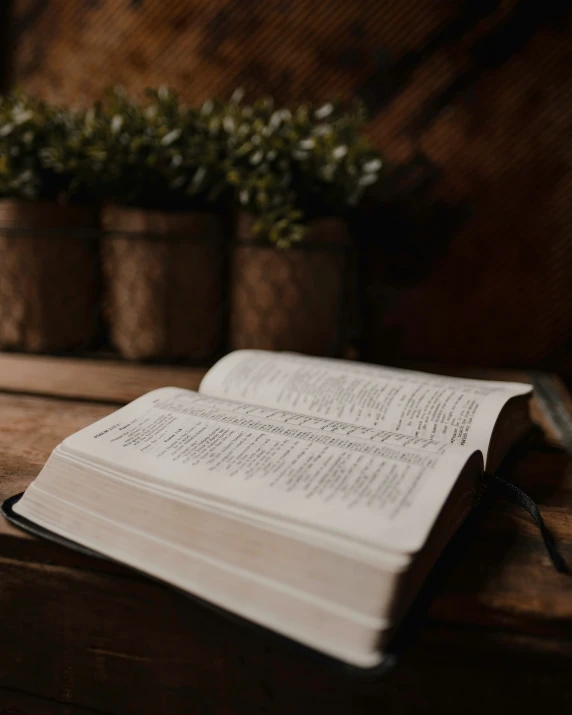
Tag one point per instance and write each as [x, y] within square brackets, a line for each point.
[48, 276]
[163, 279]
[293, 299]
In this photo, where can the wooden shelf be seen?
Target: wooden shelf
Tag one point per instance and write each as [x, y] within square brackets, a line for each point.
[86, 379]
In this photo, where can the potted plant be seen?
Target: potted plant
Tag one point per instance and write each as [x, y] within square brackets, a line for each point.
[159, 172]
[48, 297]
[296, 174]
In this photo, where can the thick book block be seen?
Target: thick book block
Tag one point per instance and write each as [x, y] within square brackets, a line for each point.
[308, 496]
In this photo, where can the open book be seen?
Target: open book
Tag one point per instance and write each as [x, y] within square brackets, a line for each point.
[308, 495]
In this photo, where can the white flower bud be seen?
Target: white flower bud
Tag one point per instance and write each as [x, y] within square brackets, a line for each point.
[22, 116]
[171, 137]
[372, 166]
[257, 157]
[207, 108]
[328, 172]
[116, 123]
[367, 179]
[237, 95]
[275, 120]
[200, 174]
[339, 152]
[324, 111]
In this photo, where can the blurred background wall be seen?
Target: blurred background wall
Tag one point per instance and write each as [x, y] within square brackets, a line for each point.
[470, 247]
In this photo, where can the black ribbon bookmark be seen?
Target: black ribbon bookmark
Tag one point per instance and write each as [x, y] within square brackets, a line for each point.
[517, 496]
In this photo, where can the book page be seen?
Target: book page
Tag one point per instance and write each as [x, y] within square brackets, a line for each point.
[451, 410]
[385, 495]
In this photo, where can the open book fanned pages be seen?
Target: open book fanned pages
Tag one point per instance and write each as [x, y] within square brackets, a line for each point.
[310, 496]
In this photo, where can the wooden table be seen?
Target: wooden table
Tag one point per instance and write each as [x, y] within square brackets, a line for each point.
[79, 635]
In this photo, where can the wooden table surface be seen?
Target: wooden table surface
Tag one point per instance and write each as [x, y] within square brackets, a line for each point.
[79, 635]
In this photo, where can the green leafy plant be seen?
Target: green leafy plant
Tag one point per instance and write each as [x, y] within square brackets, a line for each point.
[288, 166]
[31, 134]
[158, 154]
[285, 166]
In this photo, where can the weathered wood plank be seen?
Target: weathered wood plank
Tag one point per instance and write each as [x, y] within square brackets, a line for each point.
[121, 645]
[30, 428]
[506, 580]
[100, 380]
[17, 703]
[126, 645]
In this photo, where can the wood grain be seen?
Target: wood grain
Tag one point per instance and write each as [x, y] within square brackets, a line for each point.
[18, 703]
[126, 645]
[100, 380]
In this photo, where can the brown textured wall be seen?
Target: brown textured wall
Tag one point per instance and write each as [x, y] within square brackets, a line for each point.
[479, 92]
[69, 50]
